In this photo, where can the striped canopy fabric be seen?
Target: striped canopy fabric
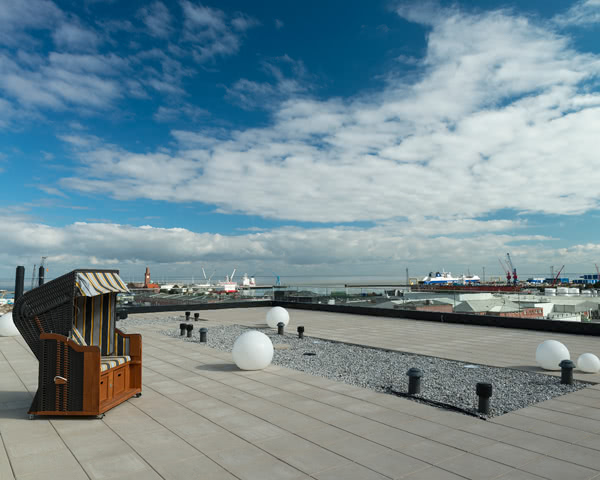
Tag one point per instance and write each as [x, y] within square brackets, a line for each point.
[91, 284]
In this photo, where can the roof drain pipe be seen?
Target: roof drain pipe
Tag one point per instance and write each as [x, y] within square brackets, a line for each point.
[414, 381]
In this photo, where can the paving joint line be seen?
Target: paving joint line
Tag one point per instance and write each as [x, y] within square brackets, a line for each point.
[49, 421]
[459, 429]
[254, 415]
[297, 411]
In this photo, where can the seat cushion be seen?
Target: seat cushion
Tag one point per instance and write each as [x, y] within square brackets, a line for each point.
[106, 363]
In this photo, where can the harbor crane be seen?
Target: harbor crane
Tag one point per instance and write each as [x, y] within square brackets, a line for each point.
[557, 275]
[507, 272]
[211, 275]
[512, 267]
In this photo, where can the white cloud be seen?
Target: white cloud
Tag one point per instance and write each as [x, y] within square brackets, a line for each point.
[157, 19]
[502, 108]
[376, 250]
[291, 79]
[582, 13]
[242, 22]
[279, 24]
[168, 114]
[63, 81]
[71, 36]
[210, 32]
[16, 17]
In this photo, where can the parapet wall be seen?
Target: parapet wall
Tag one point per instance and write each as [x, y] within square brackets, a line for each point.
[580, 328]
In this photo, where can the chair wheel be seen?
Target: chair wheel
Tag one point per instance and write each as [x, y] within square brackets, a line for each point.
[138, 395]
[100, 417]
[31, 416]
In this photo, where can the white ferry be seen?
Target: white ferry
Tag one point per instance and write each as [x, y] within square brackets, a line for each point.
[446, 278]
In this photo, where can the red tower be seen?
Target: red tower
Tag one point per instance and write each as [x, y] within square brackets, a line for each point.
[147, 278]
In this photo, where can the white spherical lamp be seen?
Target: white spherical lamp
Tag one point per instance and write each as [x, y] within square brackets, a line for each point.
[252, 351]
[276, 315]
[7, 326]
[550, 353]
[588, 363]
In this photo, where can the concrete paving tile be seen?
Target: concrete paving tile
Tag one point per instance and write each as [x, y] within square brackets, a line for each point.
[216, 442]
[297, 423]
[325, 435]
[393, 464]
[249, 427]
[302, 454]
[563, 419]
[580, 455]
[391, 437]
[593, 441]
[519, 475]
[78, 425]
[488, 429]
[474, 467]
[425, 428]
[194, 426]
[506, 454]
[199, 467]
[130, 427]
[70, 474]
[162, 447]
[251, 463]
[313, 459]
[463, 440]
[87, 446]
[5, 468]
[147, 474]
[433, 473]
[555, 469]
[454, 420]
[533, 442]
[350, 471]
[430, 451]
[122, 465]
[33, 444]
[284, 445]
[579, 399]
[355, 448]
[57, 461]
[390, 417]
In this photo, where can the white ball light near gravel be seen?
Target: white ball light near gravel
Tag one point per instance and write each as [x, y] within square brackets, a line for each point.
[276, 315]
[252, 351]
[550, 353]
[588, 363]
[7, 326]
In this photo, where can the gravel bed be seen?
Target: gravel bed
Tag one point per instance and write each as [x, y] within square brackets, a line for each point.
[445, 383]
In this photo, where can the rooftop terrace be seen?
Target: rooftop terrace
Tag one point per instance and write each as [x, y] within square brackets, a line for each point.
[201, 417]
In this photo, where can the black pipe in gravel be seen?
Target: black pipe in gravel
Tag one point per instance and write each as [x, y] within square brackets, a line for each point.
[566, 372]
[484, 392]
[196, 316]
[189, 330]
[280, 327]
[187, 316]
[414, 381]
[203, 332]
[182, 328]
[300, 332]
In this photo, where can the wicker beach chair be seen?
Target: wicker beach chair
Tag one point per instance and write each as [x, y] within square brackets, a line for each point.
[86, 365]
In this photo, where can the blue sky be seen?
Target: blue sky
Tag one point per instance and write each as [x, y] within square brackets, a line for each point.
[307, 138]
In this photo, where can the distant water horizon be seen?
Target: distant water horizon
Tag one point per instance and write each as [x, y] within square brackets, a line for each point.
[306, 280]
